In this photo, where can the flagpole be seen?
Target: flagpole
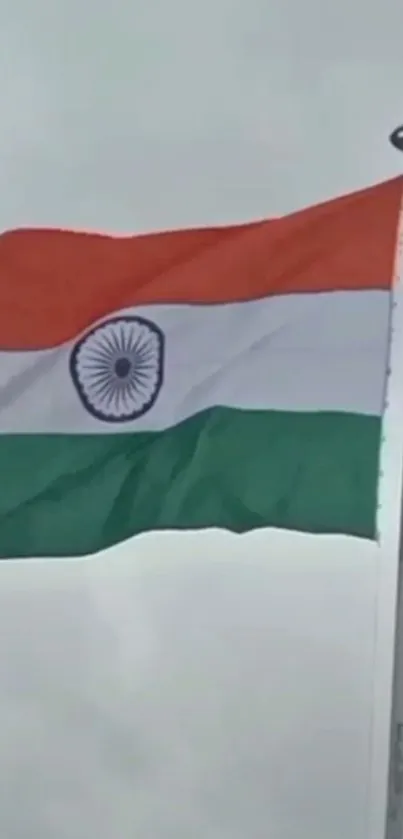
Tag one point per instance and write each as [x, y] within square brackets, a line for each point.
[386, 778]
[394, 814]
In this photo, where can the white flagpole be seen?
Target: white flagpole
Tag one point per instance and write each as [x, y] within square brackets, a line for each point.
[394, 821]
[385, 817]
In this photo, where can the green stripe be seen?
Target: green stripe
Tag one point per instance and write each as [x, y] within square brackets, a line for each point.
[69, 495]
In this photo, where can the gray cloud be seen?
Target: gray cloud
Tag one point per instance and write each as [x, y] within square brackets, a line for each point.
[167, 114]
[187, 695]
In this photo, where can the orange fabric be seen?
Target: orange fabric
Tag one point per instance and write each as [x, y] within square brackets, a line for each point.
[54, 283]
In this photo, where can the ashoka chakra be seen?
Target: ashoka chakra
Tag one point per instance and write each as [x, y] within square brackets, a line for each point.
[117, 368]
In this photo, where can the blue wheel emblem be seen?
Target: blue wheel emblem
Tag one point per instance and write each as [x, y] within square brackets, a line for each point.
[117, 368]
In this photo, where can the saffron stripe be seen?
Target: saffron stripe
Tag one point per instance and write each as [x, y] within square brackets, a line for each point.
[54, 284]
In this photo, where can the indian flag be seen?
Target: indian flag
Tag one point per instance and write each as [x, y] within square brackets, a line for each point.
[229, 378]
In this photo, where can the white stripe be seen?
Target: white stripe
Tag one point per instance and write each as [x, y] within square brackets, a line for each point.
[294, 353]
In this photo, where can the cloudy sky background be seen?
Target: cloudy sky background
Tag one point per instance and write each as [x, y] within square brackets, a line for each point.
[208, 686]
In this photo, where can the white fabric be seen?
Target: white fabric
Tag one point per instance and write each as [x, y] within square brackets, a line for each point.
[302, 352]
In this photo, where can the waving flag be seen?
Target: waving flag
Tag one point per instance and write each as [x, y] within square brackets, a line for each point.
[231, 377]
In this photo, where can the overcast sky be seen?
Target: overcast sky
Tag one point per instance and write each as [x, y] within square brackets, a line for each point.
[192, 687]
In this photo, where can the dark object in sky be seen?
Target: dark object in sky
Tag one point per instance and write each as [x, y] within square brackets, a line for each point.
[396, 138]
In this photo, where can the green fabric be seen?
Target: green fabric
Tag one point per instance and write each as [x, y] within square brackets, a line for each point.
[69, 495]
